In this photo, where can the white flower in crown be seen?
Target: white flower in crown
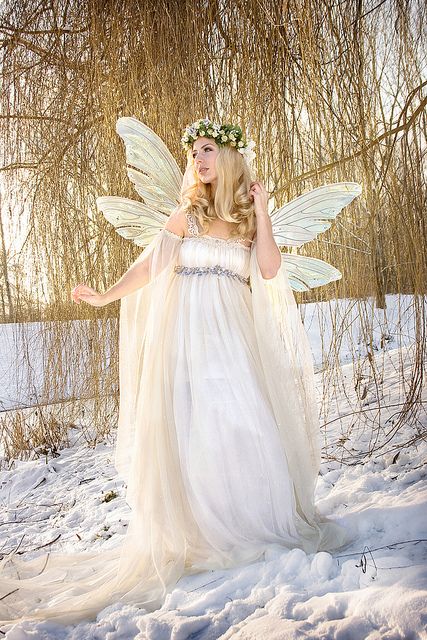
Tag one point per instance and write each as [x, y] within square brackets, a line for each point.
[247, 151]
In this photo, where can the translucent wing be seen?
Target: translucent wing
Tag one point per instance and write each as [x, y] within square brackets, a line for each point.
[300, 221]
[157, 179]
[303, 218]
[132, 220]
[153, 169]
[306, 273]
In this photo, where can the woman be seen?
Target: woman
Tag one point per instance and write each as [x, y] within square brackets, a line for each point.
[218, 432]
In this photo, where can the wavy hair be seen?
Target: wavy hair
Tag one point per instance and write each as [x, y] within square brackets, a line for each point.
[231, 201]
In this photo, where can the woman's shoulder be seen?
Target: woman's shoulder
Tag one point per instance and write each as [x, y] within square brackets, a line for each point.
[177, 222]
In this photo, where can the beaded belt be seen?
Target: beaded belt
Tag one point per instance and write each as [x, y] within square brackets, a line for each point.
[220, 271]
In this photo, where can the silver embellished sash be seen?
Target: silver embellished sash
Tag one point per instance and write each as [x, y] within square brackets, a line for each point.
[217, 269]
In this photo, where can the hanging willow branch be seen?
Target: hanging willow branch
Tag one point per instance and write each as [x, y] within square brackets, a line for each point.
[329, 92]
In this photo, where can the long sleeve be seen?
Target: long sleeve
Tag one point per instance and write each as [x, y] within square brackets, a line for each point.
[289, 373]
[139, 315]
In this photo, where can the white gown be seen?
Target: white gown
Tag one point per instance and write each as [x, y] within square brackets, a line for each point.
[234, 473]
[217, 438]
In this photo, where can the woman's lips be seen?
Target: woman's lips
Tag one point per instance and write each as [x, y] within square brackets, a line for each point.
[203, 170]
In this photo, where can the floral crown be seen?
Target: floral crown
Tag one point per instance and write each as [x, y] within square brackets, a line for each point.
[222, 134]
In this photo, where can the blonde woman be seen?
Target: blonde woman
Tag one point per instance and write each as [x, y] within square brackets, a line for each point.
[218, 432]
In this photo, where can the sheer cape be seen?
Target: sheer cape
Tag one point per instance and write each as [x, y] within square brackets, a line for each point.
[163, 541]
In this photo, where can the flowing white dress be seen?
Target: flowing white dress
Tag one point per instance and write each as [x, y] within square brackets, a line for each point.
[218, 437]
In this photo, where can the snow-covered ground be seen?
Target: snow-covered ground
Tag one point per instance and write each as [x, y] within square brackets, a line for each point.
[374, 589]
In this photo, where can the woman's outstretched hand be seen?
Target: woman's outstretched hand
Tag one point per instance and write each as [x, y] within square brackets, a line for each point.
[89, 295]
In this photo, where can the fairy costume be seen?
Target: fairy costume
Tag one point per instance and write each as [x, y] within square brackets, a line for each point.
[218, 434]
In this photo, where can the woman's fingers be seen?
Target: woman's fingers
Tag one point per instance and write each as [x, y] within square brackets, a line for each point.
[86, 294]
[82, 288]
[76, 290]
[81, 291]
[74, 294]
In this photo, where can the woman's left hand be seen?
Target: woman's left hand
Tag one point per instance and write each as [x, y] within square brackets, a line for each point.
[260, 197]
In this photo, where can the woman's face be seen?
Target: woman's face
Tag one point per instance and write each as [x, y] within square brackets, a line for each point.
[205, 151]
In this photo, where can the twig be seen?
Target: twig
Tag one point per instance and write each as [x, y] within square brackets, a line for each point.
[380, 407]
[6, 596]
[47, 544]
[363, 562]
[386, 546]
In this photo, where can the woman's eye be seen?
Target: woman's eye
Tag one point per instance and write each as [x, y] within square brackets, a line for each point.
[207, 149]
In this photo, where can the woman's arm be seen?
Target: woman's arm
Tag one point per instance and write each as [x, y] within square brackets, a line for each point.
[268, 253]
[137, 276]
[134, 278]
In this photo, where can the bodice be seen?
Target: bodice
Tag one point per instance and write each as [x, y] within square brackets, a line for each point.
[207, 251]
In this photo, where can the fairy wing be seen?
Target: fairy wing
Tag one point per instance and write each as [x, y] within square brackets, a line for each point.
[302, 220]
[157, 179]
[132, 220]
[306, 273]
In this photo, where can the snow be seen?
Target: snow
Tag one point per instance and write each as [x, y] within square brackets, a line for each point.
[374, 589]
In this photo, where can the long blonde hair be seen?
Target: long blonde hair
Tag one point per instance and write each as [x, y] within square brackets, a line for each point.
[231, 201]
